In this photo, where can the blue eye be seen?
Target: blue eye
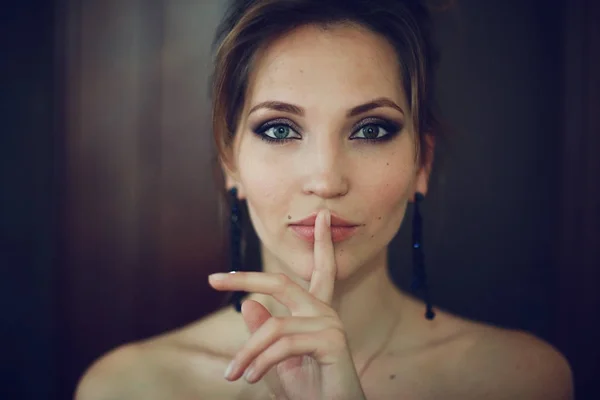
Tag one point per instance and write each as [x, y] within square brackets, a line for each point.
[371, 131]
[376, 130]
[278, 131]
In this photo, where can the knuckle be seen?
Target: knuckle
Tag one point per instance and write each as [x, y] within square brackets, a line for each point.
[336, 323]
[336, 338]
[336, 333]
[328, 312]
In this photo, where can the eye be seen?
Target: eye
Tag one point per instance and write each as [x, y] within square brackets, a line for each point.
[374, 129]
[279, 131]
[371, 131]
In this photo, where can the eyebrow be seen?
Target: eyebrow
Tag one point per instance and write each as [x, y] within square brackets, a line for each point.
[360, 109]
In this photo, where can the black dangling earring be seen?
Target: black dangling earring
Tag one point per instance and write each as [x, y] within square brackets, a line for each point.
[419, 276]
[235, 236]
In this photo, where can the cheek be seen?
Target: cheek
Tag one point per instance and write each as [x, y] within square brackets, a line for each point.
[385, 190]
[266, 189]
[387, 185]
[257, 175]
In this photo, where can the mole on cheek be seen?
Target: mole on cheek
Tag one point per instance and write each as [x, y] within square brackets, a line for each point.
[289, 217]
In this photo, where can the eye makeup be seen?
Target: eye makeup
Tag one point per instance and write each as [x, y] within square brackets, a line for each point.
[279, 130]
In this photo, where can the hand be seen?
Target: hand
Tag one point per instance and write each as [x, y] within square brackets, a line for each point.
[306, 355]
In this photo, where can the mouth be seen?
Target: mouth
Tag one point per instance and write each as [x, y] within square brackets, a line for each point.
[338, 233]
[341, 229]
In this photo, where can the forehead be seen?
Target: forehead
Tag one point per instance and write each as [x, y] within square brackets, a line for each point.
[345, 64]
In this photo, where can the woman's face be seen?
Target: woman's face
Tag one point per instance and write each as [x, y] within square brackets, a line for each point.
[306, 142]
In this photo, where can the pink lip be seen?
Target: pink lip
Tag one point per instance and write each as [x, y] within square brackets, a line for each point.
[340, 228]
[338, 233]
[335, 221]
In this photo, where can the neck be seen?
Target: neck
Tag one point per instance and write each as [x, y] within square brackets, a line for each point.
[368, 298]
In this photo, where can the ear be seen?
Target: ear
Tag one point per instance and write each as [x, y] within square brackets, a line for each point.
[424, 172]
[232, 180]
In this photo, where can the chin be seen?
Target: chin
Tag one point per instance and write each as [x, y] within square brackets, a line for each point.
[300, 261]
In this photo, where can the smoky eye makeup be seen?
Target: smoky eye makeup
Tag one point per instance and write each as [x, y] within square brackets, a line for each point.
[368, 130]
[278, 130]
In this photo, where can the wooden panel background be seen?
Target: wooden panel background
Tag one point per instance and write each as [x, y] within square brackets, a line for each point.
[141, 205]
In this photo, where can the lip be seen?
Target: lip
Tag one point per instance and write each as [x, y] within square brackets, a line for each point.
[338, 233]
[335, 221]
[341, 229]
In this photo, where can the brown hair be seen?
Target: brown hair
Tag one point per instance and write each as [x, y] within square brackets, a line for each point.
[250, 25]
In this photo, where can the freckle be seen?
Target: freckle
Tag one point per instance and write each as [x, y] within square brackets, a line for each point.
[379, 218]
[393, 376]
[388, 164]
[372, 236]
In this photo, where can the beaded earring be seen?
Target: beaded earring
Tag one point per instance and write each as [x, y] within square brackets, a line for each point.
[235, 236]
[419, 282]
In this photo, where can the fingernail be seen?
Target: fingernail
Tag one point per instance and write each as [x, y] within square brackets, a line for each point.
[217, 277]
[249, 374]
[229, 370]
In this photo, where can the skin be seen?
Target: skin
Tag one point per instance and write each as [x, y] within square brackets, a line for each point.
[343, 287]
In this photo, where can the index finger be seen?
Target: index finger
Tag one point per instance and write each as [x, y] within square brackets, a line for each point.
[323, 276]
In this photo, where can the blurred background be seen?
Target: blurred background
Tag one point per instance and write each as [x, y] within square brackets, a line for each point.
[110, 213]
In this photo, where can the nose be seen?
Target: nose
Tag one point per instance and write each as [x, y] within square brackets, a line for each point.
[325, 175]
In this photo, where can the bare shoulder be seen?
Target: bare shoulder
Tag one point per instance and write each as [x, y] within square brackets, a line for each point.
[452, 357]
[103, 379]
[498, 363]
[185, 363]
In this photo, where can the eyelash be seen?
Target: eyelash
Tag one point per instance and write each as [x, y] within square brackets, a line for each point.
[392, 129]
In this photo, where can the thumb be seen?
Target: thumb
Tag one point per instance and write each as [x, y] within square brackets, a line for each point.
[255, 314]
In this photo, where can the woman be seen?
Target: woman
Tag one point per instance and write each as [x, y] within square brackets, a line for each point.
[323, 117]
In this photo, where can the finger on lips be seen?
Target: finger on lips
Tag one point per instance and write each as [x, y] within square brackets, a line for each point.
[274, 340]
[323, 277]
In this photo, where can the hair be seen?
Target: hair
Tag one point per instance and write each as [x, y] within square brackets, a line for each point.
[251, 25]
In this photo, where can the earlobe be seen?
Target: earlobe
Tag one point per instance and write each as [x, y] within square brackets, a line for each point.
[421, 184]
[422, 181]
[231, 182]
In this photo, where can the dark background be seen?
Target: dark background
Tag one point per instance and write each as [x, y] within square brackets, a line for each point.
[111, 219]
